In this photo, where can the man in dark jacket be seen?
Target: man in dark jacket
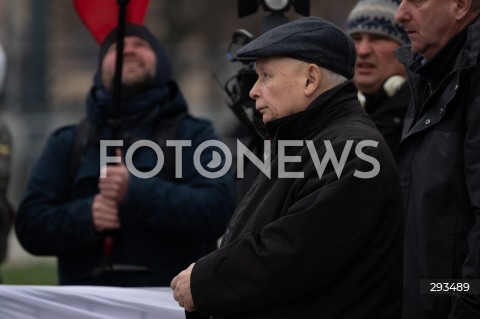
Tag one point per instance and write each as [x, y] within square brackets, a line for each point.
[6, 210]
[159, 225]
[379, 77]
[439, 159]
[316, 239]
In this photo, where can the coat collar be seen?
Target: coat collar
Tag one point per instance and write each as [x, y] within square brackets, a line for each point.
[318, 114]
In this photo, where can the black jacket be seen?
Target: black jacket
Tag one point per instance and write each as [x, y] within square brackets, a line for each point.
[6, 210]
[166, 223]
[388, 113]
[313, 247]
[439, 160]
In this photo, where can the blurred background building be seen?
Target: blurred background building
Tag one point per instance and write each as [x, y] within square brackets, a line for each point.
[52, 59]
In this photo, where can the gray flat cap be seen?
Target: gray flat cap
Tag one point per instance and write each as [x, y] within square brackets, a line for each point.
[310, 39]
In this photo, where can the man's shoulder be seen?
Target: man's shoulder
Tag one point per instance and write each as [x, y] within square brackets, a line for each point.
[360, 128]
[5, 135]
[197, 119]
[193, 124]
[64, 131]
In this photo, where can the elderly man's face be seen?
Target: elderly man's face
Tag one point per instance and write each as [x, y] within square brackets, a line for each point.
[139, 65]
[376, 61]
[279, 90]
[429, 24]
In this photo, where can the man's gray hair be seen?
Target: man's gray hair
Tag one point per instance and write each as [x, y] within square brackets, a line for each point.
[333, 78]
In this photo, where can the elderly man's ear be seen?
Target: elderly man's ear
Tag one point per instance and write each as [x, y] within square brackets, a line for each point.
[313, 75]
[462, 8]
[314, 80]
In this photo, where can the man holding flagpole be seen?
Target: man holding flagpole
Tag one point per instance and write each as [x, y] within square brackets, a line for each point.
[159, 225]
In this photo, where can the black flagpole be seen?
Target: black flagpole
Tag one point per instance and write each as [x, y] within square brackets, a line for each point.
[115, 120]
[115, 117]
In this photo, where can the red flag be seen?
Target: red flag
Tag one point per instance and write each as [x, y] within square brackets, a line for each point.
[101, 16]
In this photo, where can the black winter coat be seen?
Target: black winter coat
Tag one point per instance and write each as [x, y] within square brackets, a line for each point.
[388, 113]
[313, 247]
[439, 160]
[166, 223]
[6, 210]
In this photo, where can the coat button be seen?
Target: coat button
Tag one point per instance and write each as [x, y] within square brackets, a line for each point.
[441, 111]
[456, 87]
[427, 121]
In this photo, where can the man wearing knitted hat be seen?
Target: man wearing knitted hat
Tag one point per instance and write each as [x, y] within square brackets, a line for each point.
[314, 240]
[379, 77]
[160, 224]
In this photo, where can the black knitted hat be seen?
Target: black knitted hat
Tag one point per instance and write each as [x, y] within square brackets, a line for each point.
[164, 69]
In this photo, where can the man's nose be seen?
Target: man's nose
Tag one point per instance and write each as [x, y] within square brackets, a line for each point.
[254, 91]
[401, 14]
[363, 46]
[128, 49]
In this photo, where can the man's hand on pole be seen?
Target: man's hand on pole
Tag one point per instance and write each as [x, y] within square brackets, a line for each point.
[113, 189]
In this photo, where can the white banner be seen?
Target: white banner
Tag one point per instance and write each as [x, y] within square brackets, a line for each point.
[87, 302]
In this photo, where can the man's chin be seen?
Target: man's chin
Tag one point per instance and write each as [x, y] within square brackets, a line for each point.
[266, 119]
[367, 87]
[135, 86]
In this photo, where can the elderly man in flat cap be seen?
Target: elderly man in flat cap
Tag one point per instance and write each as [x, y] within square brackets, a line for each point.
[322, 236]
